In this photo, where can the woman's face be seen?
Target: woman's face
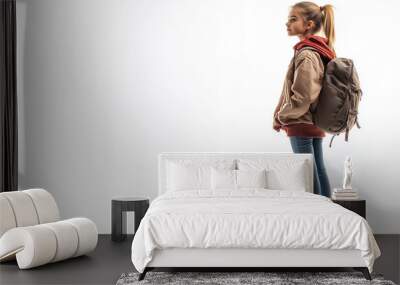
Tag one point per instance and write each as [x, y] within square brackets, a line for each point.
[296, 25]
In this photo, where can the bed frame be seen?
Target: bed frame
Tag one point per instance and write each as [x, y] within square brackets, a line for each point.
[245, 259]
[248, 259]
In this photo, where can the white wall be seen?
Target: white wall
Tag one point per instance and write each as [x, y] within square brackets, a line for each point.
[104, 86]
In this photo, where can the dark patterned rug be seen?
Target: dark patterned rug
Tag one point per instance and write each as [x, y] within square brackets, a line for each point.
[269, 278]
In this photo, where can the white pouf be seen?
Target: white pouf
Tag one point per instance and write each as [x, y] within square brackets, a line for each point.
[31, 232]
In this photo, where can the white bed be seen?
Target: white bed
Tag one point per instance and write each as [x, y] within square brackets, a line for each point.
[193, 223]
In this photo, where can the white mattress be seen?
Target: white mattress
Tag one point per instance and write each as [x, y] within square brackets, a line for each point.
[250, 218]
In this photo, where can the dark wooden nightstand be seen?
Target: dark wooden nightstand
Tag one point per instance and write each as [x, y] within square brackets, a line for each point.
[357, 206]
[119, 207]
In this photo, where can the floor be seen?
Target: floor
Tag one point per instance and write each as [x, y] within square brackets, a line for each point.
[111, 259]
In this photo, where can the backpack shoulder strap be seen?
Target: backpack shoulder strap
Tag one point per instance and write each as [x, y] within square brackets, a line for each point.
[330, 143]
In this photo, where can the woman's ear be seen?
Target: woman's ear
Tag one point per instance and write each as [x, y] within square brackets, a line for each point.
[310, 25]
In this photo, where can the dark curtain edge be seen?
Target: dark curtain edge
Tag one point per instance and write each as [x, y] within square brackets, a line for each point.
[8, 80]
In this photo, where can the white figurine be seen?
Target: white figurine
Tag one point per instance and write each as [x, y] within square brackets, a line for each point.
[348, 172]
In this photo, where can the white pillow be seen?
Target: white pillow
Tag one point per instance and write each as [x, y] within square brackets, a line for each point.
[188, 177]
[223, 179]
[236, 179]
[288, 177]
[251, 178]
[281, 174]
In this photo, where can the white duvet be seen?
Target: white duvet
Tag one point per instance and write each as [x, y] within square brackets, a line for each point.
[250, 218]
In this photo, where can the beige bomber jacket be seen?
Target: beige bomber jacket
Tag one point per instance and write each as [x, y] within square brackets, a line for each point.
[300, 89]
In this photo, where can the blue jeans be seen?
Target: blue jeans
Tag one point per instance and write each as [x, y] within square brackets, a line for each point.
[314, 146]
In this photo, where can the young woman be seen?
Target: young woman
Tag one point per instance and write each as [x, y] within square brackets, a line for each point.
[314, 25]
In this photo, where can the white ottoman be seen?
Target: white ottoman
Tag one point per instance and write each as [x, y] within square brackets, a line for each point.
[33, 243]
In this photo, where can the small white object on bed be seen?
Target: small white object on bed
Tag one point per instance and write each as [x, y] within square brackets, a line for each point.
[247, 210]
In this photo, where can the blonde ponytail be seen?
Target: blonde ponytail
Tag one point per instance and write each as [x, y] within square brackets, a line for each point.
[328, 24]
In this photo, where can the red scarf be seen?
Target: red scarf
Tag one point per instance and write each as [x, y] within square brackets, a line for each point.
[319, 43]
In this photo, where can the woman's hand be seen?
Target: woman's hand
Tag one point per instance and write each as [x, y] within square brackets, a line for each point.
[276, 125]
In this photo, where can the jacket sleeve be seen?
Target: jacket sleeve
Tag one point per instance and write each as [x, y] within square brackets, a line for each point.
[307, 84]
[278, 106]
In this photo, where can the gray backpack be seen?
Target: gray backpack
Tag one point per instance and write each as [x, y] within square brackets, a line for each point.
[336, 109]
